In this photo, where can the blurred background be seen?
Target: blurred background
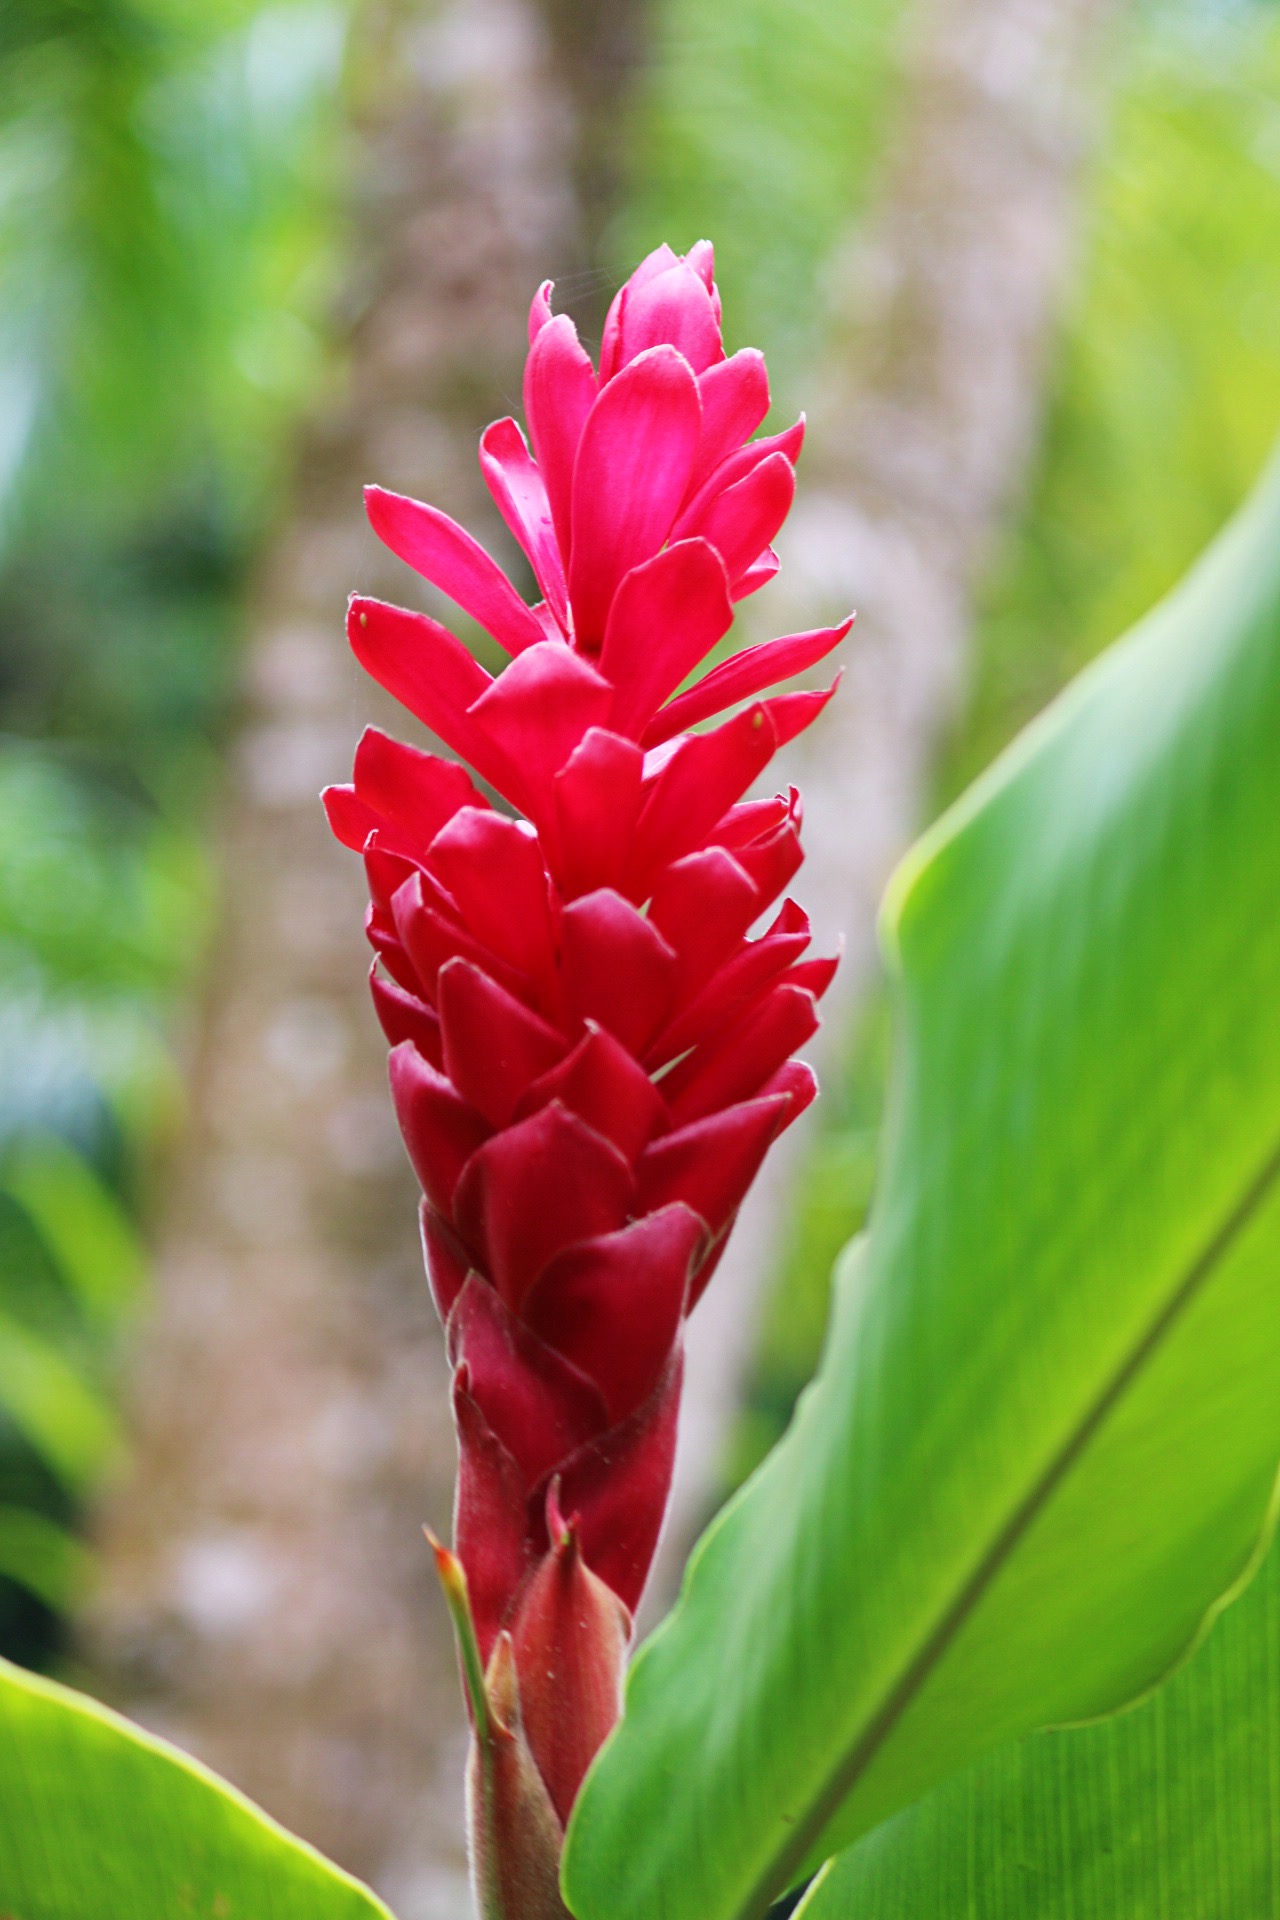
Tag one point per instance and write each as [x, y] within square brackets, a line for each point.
[1019, 259]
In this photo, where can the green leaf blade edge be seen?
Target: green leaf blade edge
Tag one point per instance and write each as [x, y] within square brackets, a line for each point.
[99, 1818]
[1169, 1808]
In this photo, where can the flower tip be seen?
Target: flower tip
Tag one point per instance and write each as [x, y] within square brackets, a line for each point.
[540, 309]
[561, 1532]
[457, 1597]
[702, 258]
[449, 1570]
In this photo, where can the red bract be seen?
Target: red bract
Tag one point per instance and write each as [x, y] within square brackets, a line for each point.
[591, 1052]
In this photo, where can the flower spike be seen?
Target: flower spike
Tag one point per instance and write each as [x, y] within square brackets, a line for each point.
[591, 1053]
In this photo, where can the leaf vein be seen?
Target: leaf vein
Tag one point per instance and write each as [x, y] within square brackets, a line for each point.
[855, 1761]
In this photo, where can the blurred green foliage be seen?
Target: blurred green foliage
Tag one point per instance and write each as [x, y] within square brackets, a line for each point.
[166, 228]
[828, 1208]
[162, 210]
[1165, 400]
[1167, 392]
[759, 126]
[103, 906]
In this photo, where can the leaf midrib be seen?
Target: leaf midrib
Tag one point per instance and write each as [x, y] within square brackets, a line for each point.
[854, 1763]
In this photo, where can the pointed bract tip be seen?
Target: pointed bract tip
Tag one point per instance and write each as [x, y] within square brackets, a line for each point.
[540, 309]
[561, 1532]
[452, 1577]
[702, 258]
[453, 1584]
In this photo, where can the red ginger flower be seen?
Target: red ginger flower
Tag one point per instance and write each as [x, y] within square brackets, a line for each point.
[590, 1055]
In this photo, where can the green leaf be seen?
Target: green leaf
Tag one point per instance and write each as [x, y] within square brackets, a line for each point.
[83, 1225]
[1168, 1810]
[66, 1422]
[42, 1556]
[100, 1819]
[1044, 1437]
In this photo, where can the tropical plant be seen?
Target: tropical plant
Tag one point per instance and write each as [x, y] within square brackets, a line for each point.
[1038, 1466]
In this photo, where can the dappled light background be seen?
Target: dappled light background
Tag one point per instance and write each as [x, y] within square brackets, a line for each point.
[1019, 259]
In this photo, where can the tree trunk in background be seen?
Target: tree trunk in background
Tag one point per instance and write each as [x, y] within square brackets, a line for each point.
[267, 1598]
[923, 431]
[600, 47]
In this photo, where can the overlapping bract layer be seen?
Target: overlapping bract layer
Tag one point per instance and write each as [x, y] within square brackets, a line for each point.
[590, 1054]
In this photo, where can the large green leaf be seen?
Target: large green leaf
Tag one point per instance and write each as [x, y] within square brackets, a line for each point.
[1168, 1812]
[1044, 1436]
[98, 1821]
